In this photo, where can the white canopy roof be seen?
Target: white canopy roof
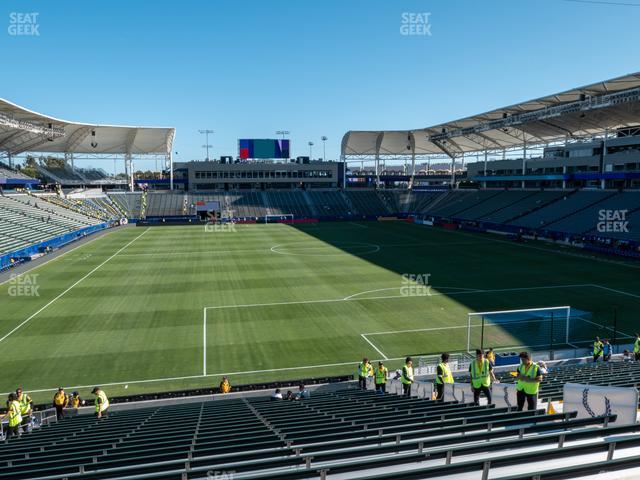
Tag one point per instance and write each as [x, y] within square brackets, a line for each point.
[23, 130]
[577, 113]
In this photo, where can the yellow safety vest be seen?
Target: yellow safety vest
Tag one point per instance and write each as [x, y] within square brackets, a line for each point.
[480, 378]
[446, 374]
[15, 417]
[24, 402]
[597, 348]
[102, 402]
[75, 402]
[532, 372]
[636, 346]
[364, 369]
[381, 375]
[60, 399]
[407, 375]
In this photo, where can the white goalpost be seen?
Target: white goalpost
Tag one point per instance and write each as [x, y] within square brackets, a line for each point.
[533, 326]
[283, 217]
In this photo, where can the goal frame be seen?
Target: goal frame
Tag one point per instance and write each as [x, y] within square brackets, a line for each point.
[565, 308]
[289, 216]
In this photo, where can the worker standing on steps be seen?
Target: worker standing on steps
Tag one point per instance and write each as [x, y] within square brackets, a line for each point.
[25, 409]
[443, 375]
[482, 375]
[15, 419]
[102, 402]
[364, 370]
[381, 373]
[529, 379]
[407, 377]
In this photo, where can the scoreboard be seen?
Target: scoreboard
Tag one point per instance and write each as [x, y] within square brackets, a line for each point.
[263, 148]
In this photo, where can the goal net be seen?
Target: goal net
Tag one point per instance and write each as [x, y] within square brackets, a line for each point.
[281, 218]
[549, 327]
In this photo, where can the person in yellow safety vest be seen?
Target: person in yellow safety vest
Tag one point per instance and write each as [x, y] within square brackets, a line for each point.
[102, 402]
[529, 379]
[25, 408]
[597, 349]
[60, 402]
[482, 375]
[15, 418]
[225, 386]
[443, 375]
[365, 369]
[406, 377]
[76, 402]
[381, 374]
[636, 347]
[491, 356]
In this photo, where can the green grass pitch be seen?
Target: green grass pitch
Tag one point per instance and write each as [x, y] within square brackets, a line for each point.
[281, 302]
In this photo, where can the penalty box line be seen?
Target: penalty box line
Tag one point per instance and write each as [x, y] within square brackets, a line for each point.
[351, 298]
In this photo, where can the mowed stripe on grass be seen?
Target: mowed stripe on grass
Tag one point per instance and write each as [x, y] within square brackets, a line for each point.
[139, 316]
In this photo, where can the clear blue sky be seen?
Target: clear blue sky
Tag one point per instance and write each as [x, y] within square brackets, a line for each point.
[249, 68]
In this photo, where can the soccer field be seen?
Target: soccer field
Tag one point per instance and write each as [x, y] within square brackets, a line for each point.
[177, 307]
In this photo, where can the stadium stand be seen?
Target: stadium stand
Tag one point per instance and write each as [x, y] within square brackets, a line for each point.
[586, 219]
[129, 203]
[164, 204]
[27, 220]
[329, 202]
[566, 206]
[288, 202]
[8, 172]
[527, 204]
[368, 202]
[347, 432]
[62, 175]
[455, 204]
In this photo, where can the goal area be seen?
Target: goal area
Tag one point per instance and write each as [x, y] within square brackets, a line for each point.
[547, 327]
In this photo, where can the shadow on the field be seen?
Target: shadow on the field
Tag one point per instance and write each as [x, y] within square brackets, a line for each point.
[473, 273]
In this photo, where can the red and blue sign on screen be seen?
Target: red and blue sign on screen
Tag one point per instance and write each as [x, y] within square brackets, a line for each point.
[263, 148]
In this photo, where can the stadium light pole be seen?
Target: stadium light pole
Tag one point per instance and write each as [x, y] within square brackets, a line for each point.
[283, 133]
[310, 150]
[324, 147]
[206, 133]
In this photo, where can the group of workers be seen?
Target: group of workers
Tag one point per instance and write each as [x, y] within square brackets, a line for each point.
[20, 408]
[528, 376]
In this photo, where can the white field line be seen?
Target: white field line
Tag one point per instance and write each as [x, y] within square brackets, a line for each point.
[374, 347]
[349, 299]
[204, 344]
[358, 225]
[409, 285]
[70, 288]
[617, 291]
[263, 250]
[84, 244]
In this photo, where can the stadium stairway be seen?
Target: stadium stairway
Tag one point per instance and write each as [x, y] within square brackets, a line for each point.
[343, 434]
